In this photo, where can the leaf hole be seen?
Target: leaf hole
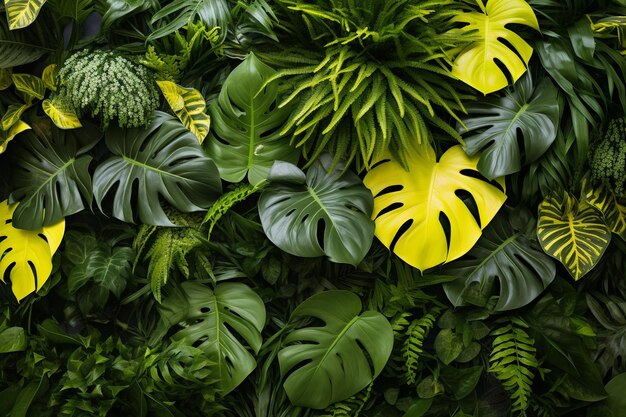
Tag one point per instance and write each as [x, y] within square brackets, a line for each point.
[382, 161]
[470, 203]
[505, 70]
[402, 230]
[445, 225]
[321, 228]
[390, 208]
[389, 190]
[510, 46]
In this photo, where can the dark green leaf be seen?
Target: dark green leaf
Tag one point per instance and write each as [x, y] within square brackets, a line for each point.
[12, 339]
[448, 346]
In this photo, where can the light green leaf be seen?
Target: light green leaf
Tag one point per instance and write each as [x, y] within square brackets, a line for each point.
[330, 363]
[188, 105]
[476, 64]
[247, 122]
[7, 136]
[12, 339]
[219, 322]
[30, 85]
[296, 209]
[13, 114]
[61, 115]
[49, 77]
[575, 233]
[605, 201]
[21, 13]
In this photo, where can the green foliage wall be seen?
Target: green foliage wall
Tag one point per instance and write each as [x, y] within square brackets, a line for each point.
[321, 208]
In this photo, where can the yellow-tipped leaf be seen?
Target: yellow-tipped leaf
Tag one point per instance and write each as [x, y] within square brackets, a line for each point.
[189, 106]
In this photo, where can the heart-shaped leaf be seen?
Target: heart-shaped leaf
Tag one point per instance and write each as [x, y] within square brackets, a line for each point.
[421, 214]
[573, 232]
[26, 255]
[7, 136]
[21, 13]
[189, 106]
[505, 255]
[219, 322]
[323, 212]
[330, 363]
[605, 201]
[164, 161]
[63, 116]
[495, 125]
[32, 87]
[247, 123]
[50, 176]
[477, 64]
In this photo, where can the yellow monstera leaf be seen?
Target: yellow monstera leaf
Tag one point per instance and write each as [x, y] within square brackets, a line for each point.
[189, 106]
[476, 64]
[28, 254]
[410, 205]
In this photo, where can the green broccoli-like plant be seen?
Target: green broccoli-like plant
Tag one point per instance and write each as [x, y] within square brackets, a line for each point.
[513, 361]
[608, 158]
[368, 77]
[110, 87]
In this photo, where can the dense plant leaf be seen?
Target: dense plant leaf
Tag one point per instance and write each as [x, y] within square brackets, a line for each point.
[165, 161]
[188, 105]
[19, 47]
[7, 136]
[476, 65]
[26, 256]
[247, 123]
[77, 10]
[330, 363]
[21, 13]
[12, 116]
[61, 115]
[107, 266]
[51, 176]
[220, 321]
[5, 78]
[505, 255]
[325, 212]
[604, 200]
[178, 13]
[529, 110]
[31, 86]
[409, 205]
[573, 232]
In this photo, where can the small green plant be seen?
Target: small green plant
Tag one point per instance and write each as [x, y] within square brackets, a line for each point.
[608, 159]
[110, 87]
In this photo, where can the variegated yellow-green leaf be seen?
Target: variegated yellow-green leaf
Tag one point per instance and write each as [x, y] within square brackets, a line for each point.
[49, 76]
[476, 64]
[5, 78]
[605, 201]
[27, 253]
[574, 232]
[7, 136]
[30, 85]
[409, 205]
[189, 105]
[21, 13]
[61, 115]
[13, 114]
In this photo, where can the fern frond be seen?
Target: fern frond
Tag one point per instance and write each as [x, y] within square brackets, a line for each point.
[351, 407]
[413, 344]
[513, 361]
[227, 201]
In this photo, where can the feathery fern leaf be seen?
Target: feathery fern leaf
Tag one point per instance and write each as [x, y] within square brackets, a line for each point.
[351, 407]
[412, 348]
[227, 201]
[513, 361]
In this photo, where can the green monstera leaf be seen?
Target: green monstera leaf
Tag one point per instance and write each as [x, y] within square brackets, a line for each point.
[164, 161]
[320, 213]
[247, 123]
[412, 207]
[51, 178]
[219, 322]
[329, 363]
[527, 110]
[573, 232]
[476, 65]
[508, 255]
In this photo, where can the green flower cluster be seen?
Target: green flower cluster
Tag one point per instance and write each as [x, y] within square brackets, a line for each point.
[109, 86]
[608, 160]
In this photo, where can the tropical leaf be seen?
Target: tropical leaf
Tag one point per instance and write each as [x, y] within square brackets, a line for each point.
[30, 85]
[62, 116]
[26, 256]
[504, 255]
[247, 123]
[77, 10]
[573, 232]
[7, 136]
[21, 13]
[178, 13]
[219, 322]
[329, 363]
[528, 110]
[105, 265]
[188, 105]
[165, 161]
[409, 205]
[12, 116]
[320, 213]
[50, 174]
[48, 77]
[21, 47]
[5, 78]
[605, 201]
[477, 64]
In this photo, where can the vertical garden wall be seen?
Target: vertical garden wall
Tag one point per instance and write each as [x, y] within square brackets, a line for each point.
[313, 208]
